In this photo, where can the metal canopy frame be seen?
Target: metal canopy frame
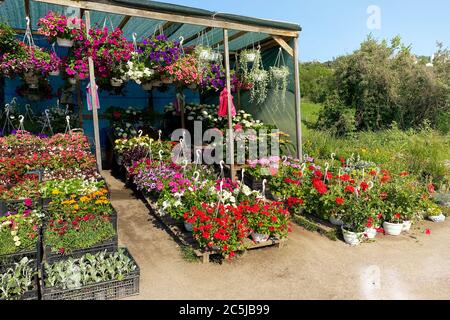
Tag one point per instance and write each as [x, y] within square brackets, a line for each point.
[279, 34]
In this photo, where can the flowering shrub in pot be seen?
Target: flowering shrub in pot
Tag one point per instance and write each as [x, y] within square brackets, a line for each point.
[266, 219]
[160, 50]
[139, 70]
[185, 71]
[218, 227]
[60, 28]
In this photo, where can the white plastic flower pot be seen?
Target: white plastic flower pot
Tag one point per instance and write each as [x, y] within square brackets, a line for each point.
[250, 57]
[407, 226]
[116, 82]
[279, 74]
[370, 233]
[352, 238]
[64, 42]
[157, 83]
[258, 237]
[335, 221]
[393, 229]
[54, 73]
[214, 56]
[259, 77]
[188, 226]
[72, 81]
[440, 218]
[204, 55]
[147, 86]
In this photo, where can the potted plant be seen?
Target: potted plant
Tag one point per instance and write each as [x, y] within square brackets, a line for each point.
[434, 213]
[60, 28]
[140, 71]
[185, 71]
[248, 56]
[203, 53]
[355, 219]
[266, 219]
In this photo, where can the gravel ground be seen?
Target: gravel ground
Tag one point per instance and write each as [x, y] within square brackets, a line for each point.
[413, 266]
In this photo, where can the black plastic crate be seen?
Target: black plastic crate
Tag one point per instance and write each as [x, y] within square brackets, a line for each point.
[8, 260]
[107, 290]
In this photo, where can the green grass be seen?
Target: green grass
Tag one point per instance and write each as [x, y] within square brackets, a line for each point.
[310, 112]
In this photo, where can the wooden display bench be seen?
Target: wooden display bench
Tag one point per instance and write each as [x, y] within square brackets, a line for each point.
[186, 239]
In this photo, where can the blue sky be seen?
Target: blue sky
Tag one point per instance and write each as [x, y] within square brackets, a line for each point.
[335, 27]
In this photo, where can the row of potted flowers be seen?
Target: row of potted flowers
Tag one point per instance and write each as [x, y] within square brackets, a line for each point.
[356, 195]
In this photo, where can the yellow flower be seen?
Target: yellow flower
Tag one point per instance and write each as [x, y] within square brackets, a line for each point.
[84, 199]
[56, 192]
[76, 207]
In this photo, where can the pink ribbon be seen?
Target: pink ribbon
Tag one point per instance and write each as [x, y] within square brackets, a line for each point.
[223, 105]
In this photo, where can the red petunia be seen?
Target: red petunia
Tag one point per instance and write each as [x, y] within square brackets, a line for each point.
[318, 174]
[364, 186]
[345, 177]
[340, 201]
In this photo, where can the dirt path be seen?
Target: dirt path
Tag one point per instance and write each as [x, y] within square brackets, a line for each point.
[310, 266]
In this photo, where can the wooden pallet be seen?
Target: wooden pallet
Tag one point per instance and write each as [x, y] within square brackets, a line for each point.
[186, 239]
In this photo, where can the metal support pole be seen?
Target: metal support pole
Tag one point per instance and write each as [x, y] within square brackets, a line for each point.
[230, 135]
[298, 114]
[98, 153]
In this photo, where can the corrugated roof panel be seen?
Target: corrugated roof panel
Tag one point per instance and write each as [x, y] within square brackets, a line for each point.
[186, 31]
[98, 19]
[143, 27]
[247, 40]
[13, 13]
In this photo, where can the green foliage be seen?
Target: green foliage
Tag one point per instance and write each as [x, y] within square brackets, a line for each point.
[381, 83]
[8, 42]
[89, 269]
[315, 81]
[336, 117]
[17, 280]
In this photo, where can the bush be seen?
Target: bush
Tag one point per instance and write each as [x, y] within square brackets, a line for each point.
[336, 118]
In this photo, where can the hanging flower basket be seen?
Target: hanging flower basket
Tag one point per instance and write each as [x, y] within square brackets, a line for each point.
[167, 80]
[157, 83]
[260, 76]
[279, 73]
[67, 43]
[116, 82]
[248, 56]
[55, 73]
[148, 86]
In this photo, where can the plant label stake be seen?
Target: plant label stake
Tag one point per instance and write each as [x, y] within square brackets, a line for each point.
[67, 125]
[303, 167]
[222, 173]
[140, 132]
[47, 122]
[264, 188]
[198, 159]
[371, 185]
[242, 176]
[159, 134]
[160, 156]
[21, 127]
[333, 155]
[327, 167]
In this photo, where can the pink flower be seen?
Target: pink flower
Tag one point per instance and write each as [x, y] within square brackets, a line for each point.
[28, 202]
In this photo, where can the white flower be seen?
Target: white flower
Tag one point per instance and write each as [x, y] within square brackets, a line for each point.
[246, 190]
[190, 118]
[17, 243]
[16, 238]
[14, 232]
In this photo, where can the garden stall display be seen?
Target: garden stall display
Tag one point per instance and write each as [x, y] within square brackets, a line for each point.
[70, 217]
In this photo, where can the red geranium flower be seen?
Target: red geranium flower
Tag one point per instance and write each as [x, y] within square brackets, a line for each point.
[340, 201]
[319, 186]
[428, 232]
[349, 189]
[364, 186]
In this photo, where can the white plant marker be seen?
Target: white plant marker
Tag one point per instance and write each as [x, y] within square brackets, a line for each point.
[327, 167]
[140, 132]
[264, 188]
[21, 119]
[222, 173]
[242, 176]
[159, 134]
